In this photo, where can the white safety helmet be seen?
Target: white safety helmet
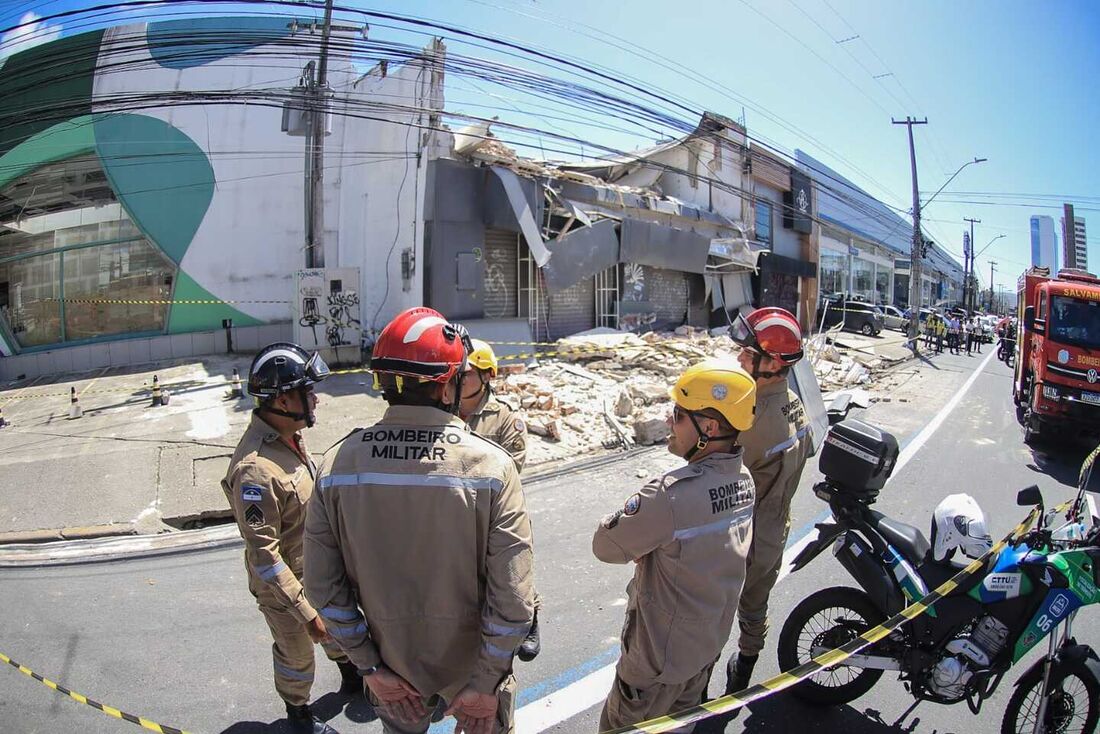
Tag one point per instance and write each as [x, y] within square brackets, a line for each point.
[959, 523]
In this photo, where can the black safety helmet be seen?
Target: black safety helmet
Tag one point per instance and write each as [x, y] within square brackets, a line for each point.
[282, 367]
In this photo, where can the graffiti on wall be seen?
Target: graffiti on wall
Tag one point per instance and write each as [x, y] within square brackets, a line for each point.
[327, 311]
[634, 278]
[637, 321]
[497, 299]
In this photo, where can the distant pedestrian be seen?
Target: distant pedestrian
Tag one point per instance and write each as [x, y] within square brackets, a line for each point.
[979, 333]
[941, 333]
[968, 335]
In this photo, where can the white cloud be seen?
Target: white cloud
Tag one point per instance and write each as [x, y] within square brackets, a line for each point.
[32, 31]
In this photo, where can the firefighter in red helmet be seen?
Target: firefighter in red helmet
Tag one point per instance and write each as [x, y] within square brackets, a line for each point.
[418, 542]
[776, 449]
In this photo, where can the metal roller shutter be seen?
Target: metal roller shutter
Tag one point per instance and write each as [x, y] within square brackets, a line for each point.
[501, 280]
[573, 309]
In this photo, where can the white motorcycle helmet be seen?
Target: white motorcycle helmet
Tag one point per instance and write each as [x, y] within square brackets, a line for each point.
[958, 523]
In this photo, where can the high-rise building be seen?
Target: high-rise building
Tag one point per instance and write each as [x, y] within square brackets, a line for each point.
[1080, 253]
[1044, 242]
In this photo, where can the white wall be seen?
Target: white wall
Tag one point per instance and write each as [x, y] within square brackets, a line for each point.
[252, 239]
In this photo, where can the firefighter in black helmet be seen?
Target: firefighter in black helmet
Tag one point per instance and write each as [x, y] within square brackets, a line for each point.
[269, 481]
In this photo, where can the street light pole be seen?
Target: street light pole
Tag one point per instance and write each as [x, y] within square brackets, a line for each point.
[992, 264]
[968, 267]
[917, 244]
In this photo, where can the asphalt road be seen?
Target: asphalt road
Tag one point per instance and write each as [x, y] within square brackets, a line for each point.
[178, 639]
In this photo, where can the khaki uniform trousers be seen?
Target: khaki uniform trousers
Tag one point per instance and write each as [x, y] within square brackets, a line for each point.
[292, 655]
[506, 712]
[628, 704]
[771, 523]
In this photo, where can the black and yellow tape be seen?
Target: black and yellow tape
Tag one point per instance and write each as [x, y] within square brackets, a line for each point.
[156, 301]
[830, 658]
[79, 698]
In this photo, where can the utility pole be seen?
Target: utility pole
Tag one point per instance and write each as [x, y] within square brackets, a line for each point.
[968, 269]
[918, 242]
[315, 140]
[992, 264]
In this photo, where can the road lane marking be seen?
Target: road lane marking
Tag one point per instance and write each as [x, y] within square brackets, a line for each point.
[578, 697]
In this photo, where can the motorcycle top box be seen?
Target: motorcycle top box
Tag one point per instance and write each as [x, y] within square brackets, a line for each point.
[857, 458]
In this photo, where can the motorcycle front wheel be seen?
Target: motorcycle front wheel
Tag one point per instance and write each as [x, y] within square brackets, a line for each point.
[827, 619]
[1072, 708]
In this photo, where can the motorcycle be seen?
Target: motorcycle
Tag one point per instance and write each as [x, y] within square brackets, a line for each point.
[1006, 350]
[961, 647]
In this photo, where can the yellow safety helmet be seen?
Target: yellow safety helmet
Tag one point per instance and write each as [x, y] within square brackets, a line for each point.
[720, 384]
[482, 357]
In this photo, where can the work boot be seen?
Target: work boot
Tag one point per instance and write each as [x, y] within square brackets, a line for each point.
[302, 721]
[531, 645]
[738, 673]
[351, 682]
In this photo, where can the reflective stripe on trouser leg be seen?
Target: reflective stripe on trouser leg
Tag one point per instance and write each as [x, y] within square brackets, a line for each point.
[768, 541]
[292, 656]
[334, 653]
[628, 704]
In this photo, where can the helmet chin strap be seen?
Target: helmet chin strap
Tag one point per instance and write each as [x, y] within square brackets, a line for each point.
[705, 438]
[757, 358]
[307, 416]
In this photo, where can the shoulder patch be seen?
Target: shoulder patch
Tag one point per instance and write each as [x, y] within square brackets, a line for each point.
[519, 425]
[612, 520]
[632, 504]
[251, 493]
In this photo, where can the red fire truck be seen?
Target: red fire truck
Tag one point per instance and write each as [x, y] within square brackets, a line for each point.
[1057, 378]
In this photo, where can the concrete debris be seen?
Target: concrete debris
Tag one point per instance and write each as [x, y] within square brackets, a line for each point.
[608, 388]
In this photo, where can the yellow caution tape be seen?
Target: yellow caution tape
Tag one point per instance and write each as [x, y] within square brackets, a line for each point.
[109, 710]
[829, 658]
[155, 301]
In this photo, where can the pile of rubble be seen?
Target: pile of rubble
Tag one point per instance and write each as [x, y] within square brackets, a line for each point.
[607, 389]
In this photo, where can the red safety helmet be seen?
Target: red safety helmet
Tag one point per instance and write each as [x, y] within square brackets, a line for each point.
[419, 342]
[771, 331]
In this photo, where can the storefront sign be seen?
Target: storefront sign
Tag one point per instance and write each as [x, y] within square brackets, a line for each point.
[798, 212]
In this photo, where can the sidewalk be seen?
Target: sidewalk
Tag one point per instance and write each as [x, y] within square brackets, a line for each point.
[127, 467]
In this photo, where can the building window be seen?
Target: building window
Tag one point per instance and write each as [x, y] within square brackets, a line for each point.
[65, 240]
[863, 278]
[764, 222]
[834, 272]
[882, 284]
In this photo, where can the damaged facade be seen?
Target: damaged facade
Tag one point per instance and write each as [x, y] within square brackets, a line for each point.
[103, 264]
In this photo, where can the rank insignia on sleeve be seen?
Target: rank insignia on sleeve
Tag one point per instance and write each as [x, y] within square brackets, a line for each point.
[252, 493]
[254, 516]
[632, 504]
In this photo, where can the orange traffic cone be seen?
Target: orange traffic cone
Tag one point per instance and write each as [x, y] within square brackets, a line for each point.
[235, 391]
[160, 397]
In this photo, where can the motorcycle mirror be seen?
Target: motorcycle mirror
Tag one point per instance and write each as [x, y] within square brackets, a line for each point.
[1029, 496]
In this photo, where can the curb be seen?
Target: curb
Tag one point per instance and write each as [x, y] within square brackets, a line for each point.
[100, 549]
[102, 543]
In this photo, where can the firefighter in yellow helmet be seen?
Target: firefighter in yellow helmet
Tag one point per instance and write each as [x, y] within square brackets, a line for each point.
[689, 533]
[496, 421]
[487, 416]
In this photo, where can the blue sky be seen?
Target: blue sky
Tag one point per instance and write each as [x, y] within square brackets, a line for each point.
[1010, 81]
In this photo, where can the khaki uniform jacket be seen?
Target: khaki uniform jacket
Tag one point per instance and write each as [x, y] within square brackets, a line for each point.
[418, 552]
[268, 486]
[778, 444]
[502, 425]
[690, 531]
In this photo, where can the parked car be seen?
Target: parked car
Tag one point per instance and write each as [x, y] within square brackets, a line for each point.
[858, 316]
[893, 318]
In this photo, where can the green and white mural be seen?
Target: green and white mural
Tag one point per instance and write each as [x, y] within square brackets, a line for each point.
[133, 183]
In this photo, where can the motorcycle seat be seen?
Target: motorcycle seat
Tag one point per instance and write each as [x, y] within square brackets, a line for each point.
[908, 540]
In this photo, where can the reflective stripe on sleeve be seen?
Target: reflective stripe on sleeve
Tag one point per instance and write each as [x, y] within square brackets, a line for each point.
[267, 573]
[490, 628]
[716, 526]
[788, 443]
[341, 614]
